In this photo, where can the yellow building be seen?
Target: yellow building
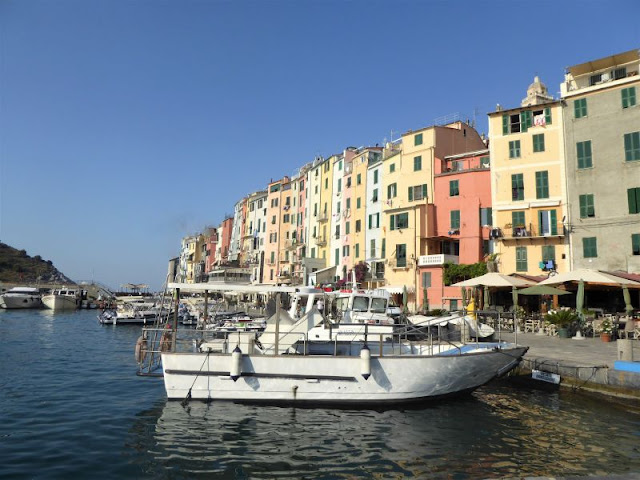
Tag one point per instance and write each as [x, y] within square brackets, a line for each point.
[325, 209]
[358, 202]
[408, 214]
[528, 181]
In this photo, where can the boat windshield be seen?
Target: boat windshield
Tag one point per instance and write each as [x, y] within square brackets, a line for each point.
[379, 305]
[360, 304]
[342, 303]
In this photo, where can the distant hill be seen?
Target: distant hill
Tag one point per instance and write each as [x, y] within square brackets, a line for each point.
[18, 267]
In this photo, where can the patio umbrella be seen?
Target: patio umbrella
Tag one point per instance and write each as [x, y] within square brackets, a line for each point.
[580, 298]
[541, 290]
[493, 279]
[627, 300]
[588, 276]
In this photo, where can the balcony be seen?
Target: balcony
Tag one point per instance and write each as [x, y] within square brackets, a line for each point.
[290, 244]
[321, 241]
[531, 231]
[438, 259]
[323, 217]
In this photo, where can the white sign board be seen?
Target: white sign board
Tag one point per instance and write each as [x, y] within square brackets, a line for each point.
[545, 376]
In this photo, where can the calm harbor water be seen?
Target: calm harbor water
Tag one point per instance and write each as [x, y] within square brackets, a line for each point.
[71, 406]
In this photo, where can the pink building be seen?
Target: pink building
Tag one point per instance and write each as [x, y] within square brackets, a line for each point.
[211, 242]
[224, 240]
[463, 217]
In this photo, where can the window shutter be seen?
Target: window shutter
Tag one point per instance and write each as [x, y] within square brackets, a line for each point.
[540, 216]
[632, 96]
[633, 200]
[393, 222]
[370, 216]
[523, 121]
[505, 124]
[411, 194]
[547, 115]
[625, 98]
[554, 222]
[424, 191]
[583, 206]
[389, 191]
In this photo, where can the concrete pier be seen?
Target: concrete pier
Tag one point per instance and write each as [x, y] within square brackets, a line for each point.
[588, 364]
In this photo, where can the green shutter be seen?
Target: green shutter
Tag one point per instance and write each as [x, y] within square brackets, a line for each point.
[505, 124]
[554, 223]
[388, 191]
[411, 194]
[547, 115]
[370, 217]
[634, 201]
[635, 243]
[393, 222]
[540, 217]
[583, 206]
[424, 191]
[384, 248]
[523, 121]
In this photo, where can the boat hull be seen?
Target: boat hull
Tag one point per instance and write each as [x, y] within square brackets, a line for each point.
[60, 302]
[20, 301]
[327, 379]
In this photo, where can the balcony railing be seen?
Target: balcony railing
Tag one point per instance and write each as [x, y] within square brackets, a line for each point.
[323, 217]
[321, 240]
[437, 259]
[290, 244]
[533, 231]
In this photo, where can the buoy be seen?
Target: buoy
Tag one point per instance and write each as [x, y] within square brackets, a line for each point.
[365, 362]
[236, 361]
[141, 349]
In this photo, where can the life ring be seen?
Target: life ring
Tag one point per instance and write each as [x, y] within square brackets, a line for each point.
[141, 349]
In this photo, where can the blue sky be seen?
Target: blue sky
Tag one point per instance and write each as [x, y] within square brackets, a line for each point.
[126, 125]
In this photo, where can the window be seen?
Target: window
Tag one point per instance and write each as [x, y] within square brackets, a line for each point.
[273, 257]
[521, 259]
[401, 255]
[347, 228]
[628, 97]
[285, 218]
[547, 223]
[399, 221]
[345, 251]
[392, 190]
[538, 143]
[417, 192]
[426, 279]
[584, 154]
[375, 195]
[374, 220]
[337, 231]
[486, 216]
[348, 183]
[326, 183]
[632, 146]
[338, 207]
[633, 196]
[517, 186]
[358, 202]
[348, 202]
[517, 219]
[417, 140]
[313, 252]
[340, 165]
[271, 273]
[589, 247]
[339, 185]
[453, 305]
[548, 253]
[417, 163]
[375, 176]
[392, 168]
[580, 108]
[358, 225]
[357, 250]
[454, 189]
[635, 243]
[542, 184]
[514, 149]
[384, 248]
[372, 254]
[337, 253]
[587, 208]
[273, 220]
[455, 219]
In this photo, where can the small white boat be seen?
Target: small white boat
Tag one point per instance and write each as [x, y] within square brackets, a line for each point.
[21, 297]
[284, 364]
[475, 328]
[63, 299]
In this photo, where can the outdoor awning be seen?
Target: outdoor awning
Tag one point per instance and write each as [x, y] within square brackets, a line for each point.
[541, 290]
[397, 289]
[589, 276]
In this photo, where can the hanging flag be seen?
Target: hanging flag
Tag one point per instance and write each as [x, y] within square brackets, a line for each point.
[539, 120]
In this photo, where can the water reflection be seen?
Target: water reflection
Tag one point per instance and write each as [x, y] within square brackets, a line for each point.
[498, 432]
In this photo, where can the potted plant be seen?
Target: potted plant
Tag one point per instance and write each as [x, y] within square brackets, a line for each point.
[606, 329]
[563, 320]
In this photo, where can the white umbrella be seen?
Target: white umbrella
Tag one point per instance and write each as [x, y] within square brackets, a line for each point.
[588, 276]
[493, 279]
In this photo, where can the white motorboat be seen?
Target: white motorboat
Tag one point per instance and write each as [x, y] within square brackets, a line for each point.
[473, 327]
[21, 297]
[63, 299]
[285, 365]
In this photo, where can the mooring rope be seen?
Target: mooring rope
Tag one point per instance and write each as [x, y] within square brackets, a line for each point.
[185, 402]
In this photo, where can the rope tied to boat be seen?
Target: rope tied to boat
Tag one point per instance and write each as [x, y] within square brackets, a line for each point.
[185, 402]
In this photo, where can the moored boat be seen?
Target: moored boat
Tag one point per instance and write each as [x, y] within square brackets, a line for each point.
[284, 364]
[21, 297]
[63, 299]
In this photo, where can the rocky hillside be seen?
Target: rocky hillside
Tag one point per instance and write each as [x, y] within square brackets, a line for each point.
[18, 267]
